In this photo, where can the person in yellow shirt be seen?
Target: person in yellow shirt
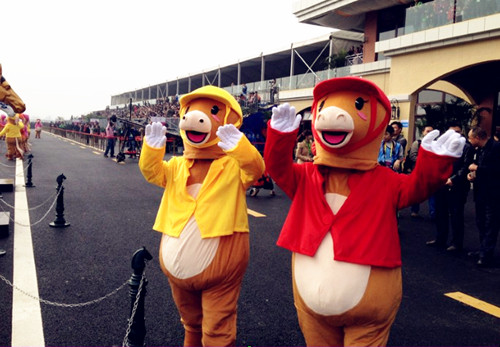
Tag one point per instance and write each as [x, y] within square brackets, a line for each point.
[12, 133]
[203, 213]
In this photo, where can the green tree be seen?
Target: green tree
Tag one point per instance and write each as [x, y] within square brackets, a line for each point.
[335, 60]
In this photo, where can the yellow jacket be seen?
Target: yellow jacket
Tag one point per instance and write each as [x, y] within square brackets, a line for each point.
[220, 207]
[12, 130]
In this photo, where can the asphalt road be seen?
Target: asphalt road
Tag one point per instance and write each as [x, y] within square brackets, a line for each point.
[111, 210]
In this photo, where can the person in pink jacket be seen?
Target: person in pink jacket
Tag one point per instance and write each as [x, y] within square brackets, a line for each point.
[38, 128]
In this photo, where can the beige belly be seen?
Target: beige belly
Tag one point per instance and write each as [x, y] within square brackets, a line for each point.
[330, 287]
[188, 255]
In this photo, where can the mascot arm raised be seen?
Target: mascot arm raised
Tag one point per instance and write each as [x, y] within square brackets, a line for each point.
[280, 143]
[229, 137]
[450, 144]
[151, 160]
[434, 166]
[284, 118]
[155, 135]
[235, 144]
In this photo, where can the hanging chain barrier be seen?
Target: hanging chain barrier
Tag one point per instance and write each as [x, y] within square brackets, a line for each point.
[31, 208]
[58, 304]
[53, 196]
[137, 300]
[13, 166]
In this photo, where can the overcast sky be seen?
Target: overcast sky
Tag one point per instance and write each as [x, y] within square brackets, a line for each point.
[68, 57]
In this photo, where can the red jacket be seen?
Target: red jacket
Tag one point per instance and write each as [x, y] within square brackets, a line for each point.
[365, 228]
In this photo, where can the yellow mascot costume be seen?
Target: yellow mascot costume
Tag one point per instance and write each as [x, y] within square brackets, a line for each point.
[203, 214]
[342, 225]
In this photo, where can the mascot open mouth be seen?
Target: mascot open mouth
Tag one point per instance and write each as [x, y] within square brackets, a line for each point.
[334, 137]
[196, 136]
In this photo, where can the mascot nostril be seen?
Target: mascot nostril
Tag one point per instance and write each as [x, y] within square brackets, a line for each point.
[203, 212]
[342, 225]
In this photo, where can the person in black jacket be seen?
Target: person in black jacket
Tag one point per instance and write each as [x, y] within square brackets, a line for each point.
[450, 202]
[485, 175]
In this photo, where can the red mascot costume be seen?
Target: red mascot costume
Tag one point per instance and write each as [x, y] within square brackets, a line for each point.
[342, 223]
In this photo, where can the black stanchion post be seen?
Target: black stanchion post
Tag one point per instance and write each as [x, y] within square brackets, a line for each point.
[137, 292]
[29, 175]
[60, 222]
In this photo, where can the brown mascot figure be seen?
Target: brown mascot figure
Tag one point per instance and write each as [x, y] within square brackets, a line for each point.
[342, 223]
[204, 249]
[10, 103]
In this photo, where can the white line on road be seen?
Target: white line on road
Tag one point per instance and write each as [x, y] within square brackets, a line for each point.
[27, 328]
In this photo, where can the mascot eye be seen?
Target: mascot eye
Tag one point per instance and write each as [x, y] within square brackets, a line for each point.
[359, 103]
[321, 105]
[214, 110]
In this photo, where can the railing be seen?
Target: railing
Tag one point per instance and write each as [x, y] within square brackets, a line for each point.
[97, 141]
[172, 124]
[354, 59]
[442, 12]
[469, 9]
[306, 80]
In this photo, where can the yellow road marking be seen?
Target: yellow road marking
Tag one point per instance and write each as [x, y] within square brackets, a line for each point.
[476, 303]
[254, 213]
[82, 147]
[96, 152]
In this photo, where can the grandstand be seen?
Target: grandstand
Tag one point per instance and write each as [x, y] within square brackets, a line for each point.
[298, 66]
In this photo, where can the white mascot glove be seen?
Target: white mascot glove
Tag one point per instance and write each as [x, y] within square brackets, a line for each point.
[7, 109]
[284, 118]
[449, 144]
[155, 135]
[229, 136]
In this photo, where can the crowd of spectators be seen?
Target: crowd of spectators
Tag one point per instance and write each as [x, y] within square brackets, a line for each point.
[478, 166]
[163, 107]
[140, 114]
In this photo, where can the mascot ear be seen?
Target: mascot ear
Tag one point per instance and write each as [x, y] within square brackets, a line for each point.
[234, 118]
